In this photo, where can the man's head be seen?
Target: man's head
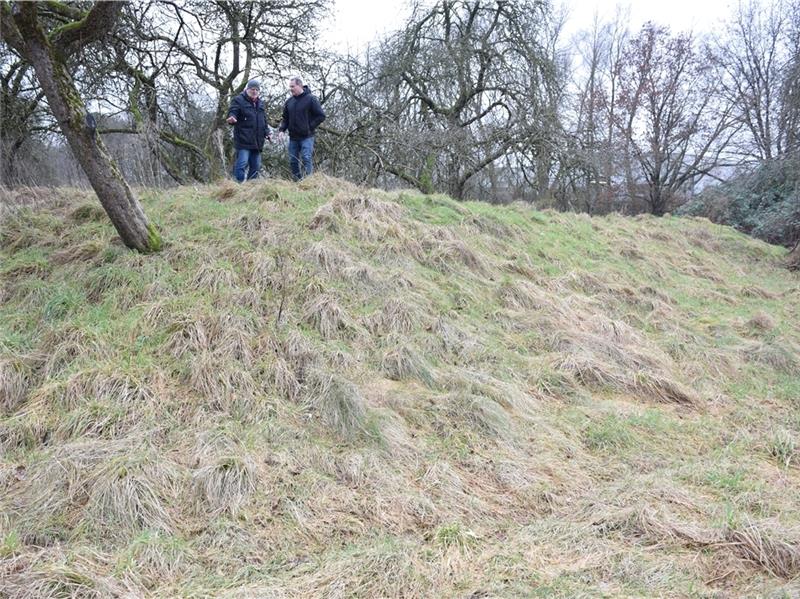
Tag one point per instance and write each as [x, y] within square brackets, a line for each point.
[296, 86]
[253, 88]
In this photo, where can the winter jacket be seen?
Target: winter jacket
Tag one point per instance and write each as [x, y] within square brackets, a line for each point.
[302, 115]
[250, 129]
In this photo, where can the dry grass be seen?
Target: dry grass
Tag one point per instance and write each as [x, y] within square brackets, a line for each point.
[259, 268]
[773, 354]
[214, 278]
[219, 381]
[131, 493]
[452, 340]
[283, 377]
[765, 548]
[71, 344]
[523, 295]
[113, 488]
[793, 258]
[479, 413]
[326, 315]
[100, 384]
[154, 558]
[84, 252]
[227, 190]
[299, 354]
[445, 254]
[337, 403]
[188, 336]
[48, 576]
[15, 381]
[497, 404]
[761, 322]
[372, 220]
[100, 402]
[15, 199]
[610, 354]
[331, 260]
[754, 291]
[226, 477]
[324, 219]
[395, 316]
[402, 363]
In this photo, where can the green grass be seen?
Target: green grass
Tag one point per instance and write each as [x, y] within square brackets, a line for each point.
[458, 400]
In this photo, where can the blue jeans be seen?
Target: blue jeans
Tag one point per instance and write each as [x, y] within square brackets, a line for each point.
[301, 149]
[243, 159]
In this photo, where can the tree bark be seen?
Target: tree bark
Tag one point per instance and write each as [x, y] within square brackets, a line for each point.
[49, 62]
[793, 259]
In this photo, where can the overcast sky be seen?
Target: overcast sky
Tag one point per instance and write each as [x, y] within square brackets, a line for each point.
[357, 22]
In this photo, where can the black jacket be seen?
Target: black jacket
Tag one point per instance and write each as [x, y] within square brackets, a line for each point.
[302, 115]
[250, 129]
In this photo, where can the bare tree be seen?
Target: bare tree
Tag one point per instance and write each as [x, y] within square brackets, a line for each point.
[790, 88]
[670, 115]
[22, 112]
[445, 101]
[186, 59]
[757, 56]
[46, 36]
[598, 158]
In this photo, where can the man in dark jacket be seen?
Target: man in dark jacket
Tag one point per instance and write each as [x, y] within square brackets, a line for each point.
[250, 129]
[302, 114]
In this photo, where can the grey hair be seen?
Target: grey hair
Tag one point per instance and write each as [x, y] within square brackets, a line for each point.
[296, 79]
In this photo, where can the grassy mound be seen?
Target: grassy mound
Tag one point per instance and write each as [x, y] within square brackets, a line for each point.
[322, 390]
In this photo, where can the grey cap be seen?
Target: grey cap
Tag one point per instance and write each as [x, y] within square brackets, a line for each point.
[253, 83]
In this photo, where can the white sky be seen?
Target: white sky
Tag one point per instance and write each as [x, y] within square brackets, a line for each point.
[357, 22]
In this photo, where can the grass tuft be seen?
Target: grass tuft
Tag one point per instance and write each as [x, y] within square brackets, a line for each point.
[783, 448]
[214, 278]
[326, 315]
[226, 478]
[153, 558]
[220, 381]
[455, 536]
[15, 381]
[773, 354]
[402, 363]
[764, 548]
[128, 496]
[338, 404]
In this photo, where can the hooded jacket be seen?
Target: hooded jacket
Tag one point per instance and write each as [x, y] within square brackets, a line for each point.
[302, 114]
[250, 129]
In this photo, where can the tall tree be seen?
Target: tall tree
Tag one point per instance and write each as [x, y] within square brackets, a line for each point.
[21, 112]
[669, 114]
[465, 85]
[598, 159]
[46, 35]
[758, 59]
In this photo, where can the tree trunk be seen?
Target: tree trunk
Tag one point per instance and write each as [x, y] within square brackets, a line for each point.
[104, 175]
[793, 259]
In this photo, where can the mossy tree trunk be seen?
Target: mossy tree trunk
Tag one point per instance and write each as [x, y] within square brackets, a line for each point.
[48, 53]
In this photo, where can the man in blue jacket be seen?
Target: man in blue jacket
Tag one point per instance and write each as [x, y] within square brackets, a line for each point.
[302, 114]
[250, 129]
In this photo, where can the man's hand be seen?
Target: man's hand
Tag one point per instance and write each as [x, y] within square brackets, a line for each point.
[231, 120]
[281, 136]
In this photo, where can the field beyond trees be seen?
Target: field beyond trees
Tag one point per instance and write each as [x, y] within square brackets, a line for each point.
[323, 390]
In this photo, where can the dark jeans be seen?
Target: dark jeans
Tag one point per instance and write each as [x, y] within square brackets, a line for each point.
[301, 149]
[244, 158]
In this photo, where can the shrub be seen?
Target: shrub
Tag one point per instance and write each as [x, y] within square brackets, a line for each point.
[763, 201]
